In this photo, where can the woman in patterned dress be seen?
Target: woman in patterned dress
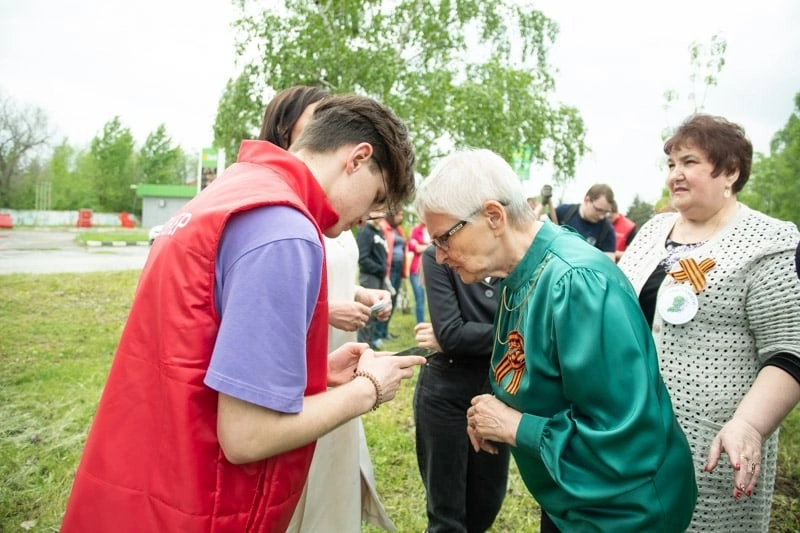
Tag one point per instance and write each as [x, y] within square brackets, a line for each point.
[716, 282]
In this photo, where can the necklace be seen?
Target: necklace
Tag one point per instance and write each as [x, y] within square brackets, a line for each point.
[511, 367]
[505, 307]
[686, 233]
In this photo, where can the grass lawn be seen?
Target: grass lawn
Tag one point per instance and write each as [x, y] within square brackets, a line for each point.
[57, 337]
[118, 235]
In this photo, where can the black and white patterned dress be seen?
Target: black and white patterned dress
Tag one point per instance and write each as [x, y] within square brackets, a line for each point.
[748, 311]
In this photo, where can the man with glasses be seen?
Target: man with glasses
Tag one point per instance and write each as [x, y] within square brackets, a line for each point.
[590, 218]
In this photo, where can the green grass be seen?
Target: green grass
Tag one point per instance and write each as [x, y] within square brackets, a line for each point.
[132, 235]
[57, 337]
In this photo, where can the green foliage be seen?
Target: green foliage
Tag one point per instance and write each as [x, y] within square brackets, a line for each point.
[786, 502]
[34, 176]
[459, 72]
[22, 192]
[707, 61]
[24, 131]
[774, 187]
[159, 161]
[101, 178]
[239, 114]
[663, 203]
[115, 166]
[640, 211]
[71, 174]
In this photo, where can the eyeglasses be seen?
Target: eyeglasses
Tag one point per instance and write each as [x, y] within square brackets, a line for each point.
[604, 212]
[389, 205]
[443, 241]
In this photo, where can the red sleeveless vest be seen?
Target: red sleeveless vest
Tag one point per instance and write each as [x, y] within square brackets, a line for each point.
[623, 227]
[152, 462]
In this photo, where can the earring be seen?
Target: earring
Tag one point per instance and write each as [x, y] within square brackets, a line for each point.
[727, 193]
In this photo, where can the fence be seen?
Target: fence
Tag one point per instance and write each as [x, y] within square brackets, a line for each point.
[64, 218]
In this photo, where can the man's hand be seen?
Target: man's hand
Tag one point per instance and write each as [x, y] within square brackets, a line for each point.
[347, 316]
[370, 297]
[425, 336]
[343, 361]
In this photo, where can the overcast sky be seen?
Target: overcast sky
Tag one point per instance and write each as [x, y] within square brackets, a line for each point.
[167, 61]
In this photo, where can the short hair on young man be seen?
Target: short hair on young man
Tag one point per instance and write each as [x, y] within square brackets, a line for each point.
[284, 110]
[600, 189]
[724, 143]
[345, 119]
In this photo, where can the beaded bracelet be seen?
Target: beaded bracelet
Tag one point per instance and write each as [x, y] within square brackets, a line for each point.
[374, 380]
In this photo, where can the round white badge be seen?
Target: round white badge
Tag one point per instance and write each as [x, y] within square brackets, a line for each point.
[678, 304]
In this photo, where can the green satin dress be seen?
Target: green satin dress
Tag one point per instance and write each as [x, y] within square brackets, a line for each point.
[598, 445]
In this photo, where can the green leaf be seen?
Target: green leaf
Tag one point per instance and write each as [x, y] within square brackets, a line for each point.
[459, 72]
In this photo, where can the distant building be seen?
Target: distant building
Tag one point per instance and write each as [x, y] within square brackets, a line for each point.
[160, 202]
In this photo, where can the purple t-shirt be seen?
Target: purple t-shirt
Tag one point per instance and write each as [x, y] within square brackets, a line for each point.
[267, 280]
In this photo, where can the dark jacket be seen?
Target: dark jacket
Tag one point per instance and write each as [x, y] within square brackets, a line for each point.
[372, 253]
[462, 314]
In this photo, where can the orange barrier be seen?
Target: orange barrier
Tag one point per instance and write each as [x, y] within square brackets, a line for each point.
[126, 221]
[85, 218]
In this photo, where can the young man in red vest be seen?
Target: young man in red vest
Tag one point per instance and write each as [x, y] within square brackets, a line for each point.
[218, 389]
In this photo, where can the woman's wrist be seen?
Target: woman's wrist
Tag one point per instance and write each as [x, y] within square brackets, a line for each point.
[359, 294]
[376, 385]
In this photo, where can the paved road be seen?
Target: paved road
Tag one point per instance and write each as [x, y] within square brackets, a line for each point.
[48, 252]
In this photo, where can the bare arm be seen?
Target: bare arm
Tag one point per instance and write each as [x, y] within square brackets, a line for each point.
[772, 396]
[248, 432]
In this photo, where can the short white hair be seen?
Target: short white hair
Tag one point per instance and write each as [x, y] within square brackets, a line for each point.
[463, 181]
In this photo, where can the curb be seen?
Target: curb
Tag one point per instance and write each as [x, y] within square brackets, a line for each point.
[116, 243]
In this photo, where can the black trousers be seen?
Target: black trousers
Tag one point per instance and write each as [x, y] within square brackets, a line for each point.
[464, 489]
[547, 525]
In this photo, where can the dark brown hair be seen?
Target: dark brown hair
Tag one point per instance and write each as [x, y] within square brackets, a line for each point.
[284, 110]
[723, 142]
[346, 119]
[600, 189]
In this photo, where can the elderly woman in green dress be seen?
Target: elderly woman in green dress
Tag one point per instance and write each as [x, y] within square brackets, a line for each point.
[576, 388]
